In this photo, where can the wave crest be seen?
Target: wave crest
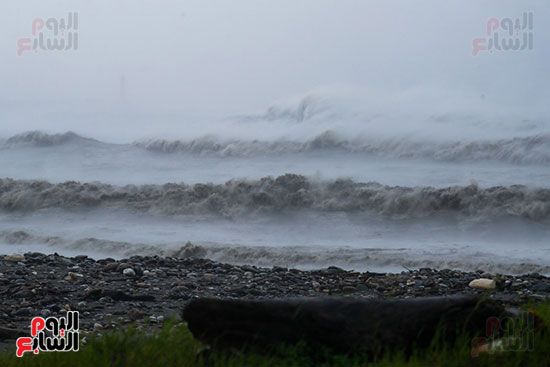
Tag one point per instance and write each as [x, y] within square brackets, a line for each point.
[287, 192]
[292, 256]
[521, 150]
[42, 139]
[534, 149]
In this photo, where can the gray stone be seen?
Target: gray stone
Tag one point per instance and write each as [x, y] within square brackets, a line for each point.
[349, 289]
[25, 293]
[123, 266]
[46, 313]
[541, 287]
[135, 314]
[74, 276]
[106, 300]
[25, 311]
[110, 267]
[129, 272]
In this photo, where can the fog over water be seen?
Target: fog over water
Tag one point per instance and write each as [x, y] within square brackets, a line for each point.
[363, 134]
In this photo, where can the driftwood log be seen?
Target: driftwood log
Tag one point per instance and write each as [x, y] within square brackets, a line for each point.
[7, 333]
[340, 324]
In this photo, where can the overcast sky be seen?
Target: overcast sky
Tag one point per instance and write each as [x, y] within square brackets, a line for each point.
[221, 58]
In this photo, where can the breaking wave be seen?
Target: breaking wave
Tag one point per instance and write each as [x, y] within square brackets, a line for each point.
[520, 150]
[272, 195]
[534, 149]
[90, 244]
[292, 256]
[42, 139]
[359, 259]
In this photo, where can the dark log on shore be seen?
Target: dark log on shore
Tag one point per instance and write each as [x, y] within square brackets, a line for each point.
[6, 333]
[341, 324]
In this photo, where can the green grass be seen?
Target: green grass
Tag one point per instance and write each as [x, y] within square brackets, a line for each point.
[175, 346]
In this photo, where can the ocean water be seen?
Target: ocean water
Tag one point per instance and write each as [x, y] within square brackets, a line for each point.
[308, 185]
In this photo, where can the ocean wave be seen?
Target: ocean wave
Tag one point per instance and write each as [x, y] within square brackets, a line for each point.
[534, 149]
[288, 256]
[88, 245]
[520, 150]
[42, 139]
[210, 145]
[272, 195]
[359, 258]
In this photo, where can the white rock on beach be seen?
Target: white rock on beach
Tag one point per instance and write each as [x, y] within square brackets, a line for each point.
[129, 272]
[14, 258]
[483, 283]
[74, 276]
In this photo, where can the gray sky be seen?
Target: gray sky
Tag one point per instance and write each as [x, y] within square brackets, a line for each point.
[186, 60]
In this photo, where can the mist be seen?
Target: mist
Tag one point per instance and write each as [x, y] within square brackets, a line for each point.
[189, 68]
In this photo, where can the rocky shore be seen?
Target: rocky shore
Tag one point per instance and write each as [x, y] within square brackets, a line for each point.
[147, 290]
